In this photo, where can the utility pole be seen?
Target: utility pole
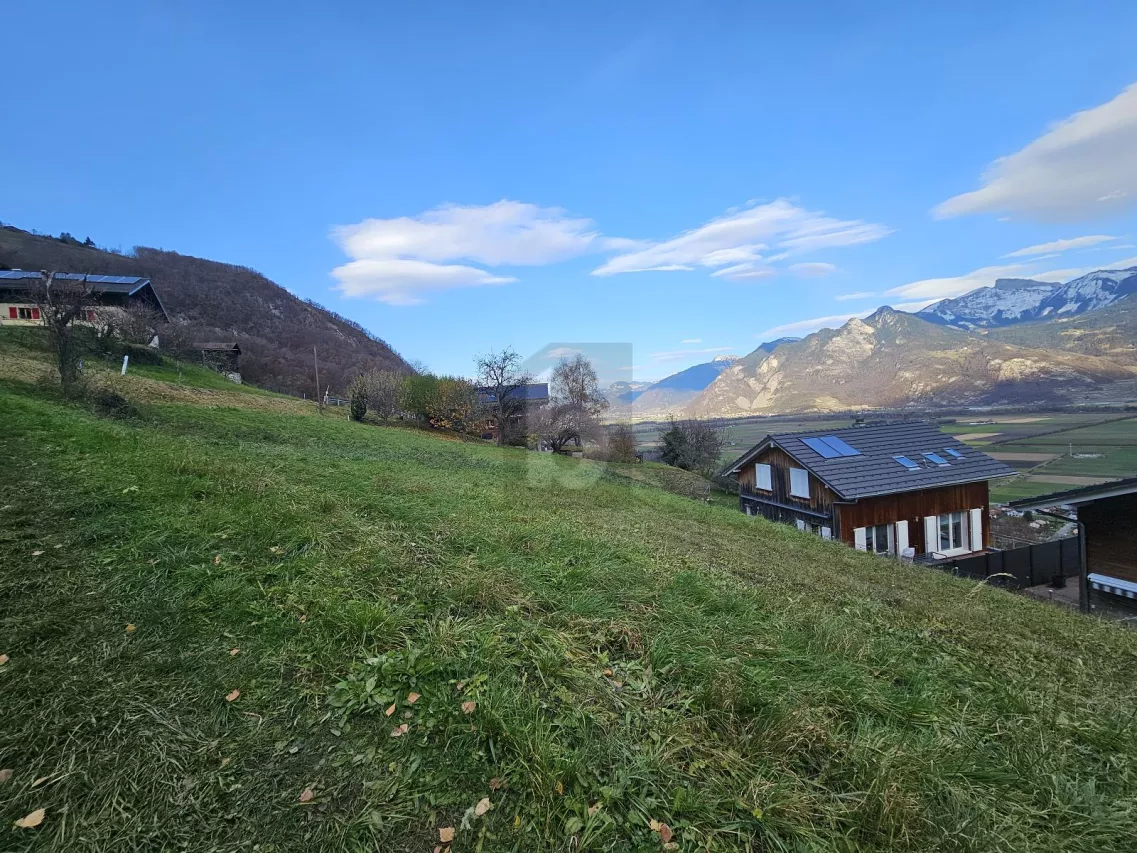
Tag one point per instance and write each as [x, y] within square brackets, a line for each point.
[316, 363]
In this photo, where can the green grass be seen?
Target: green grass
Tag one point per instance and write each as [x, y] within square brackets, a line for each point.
[634, 655]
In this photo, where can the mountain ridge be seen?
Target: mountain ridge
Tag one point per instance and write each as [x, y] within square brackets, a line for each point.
[1018, 300]
[892, 359]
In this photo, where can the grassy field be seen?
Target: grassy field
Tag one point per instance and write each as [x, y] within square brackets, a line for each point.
[238, 627]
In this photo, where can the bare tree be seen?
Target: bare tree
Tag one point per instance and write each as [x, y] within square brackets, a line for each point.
[62, 302]
[382, 390]
[694, 445]
[577, 403]
[136, 324]
[500, 376]
[621, 443]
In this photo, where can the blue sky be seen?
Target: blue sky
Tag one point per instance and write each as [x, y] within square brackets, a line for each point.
[684, 178]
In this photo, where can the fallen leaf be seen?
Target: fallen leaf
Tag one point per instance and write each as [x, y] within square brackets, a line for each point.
[36, 553]
[39, 781]
[307, 795]
[413, 697]
[60, 545]
[233, 652]
[303, 617]
[607, 672]
[232, 697]
[390, 710]
[3, 659]
[459, 686]
[225, 761]
[495, 783]
[483, 806]
[654, 824]
[5, 775]
[446, 834]
[664, 833]
[217, 559]
[560, 789]
[400, 731]
[593, 809]
[468, 707]
[130, 629]
[32, 820]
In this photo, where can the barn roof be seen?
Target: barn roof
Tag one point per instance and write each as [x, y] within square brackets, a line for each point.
[1082, 495]
[121, 285]
[882, 459]
[533, 392]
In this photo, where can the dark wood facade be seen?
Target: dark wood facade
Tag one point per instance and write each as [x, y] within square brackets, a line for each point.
[1111, 536]
[825, 510]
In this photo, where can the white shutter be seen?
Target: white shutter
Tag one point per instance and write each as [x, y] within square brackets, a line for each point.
[800, 525]
[901, 536]
[762, 477]
[977, 530]
[931, 534]
[826, 533]
[799, 483]
[859, 539]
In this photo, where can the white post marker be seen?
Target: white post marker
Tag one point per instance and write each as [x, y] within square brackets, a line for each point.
[125, 362]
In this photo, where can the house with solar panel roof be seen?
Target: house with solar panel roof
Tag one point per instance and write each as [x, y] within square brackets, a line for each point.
[901, 489]
[17, 307]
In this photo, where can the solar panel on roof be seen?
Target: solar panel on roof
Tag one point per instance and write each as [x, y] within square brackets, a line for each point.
[935, 457]
[907, 463]
[840, 445]
[953, 452]
[820, 446]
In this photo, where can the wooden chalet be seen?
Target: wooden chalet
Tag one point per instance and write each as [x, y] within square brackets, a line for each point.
[901, 489]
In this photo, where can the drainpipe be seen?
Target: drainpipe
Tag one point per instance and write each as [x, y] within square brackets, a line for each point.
[1083, 572]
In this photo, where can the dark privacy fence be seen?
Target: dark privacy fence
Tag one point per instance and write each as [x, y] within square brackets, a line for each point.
[1027, 566]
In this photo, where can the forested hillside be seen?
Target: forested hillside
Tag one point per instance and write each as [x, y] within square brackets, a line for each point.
[216, 301]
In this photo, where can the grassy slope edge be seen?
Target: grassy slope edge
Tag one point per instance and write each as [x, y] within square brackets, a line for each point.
[632, 656]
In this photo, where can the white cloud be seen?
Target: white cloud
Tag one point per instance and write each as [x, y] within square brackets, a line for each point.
[733, 244]
[1057, 246]
[1084, 166]
[860, 294]
[943, 288]
[691, 341]
[685, 353]
[812, 270]
[398, 281]
[399, 260]
[561, 352]
[804, 327]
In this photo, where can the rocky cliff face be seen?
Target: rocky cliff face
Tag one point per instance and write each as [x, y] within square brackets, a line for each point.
[893, 359]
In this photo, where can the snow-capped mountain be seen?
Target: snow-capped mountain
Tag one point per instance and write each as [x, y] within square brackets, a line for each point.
[1018, 300]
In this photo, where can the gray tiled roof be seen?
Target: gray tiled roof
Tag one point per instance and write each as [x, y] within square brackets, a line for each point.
[875, 471]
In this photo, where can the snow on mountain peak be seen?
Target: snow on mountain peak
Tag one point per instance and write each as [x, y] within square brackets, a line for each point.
[1018, 300]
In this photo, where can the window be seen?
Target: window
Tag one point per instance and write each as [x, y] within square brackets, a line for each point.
[951, 451]
[876, 539]
[763, 478]
[907, 463]
[26, 313]
[953, 531]
[799, 482]
[935, 457]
